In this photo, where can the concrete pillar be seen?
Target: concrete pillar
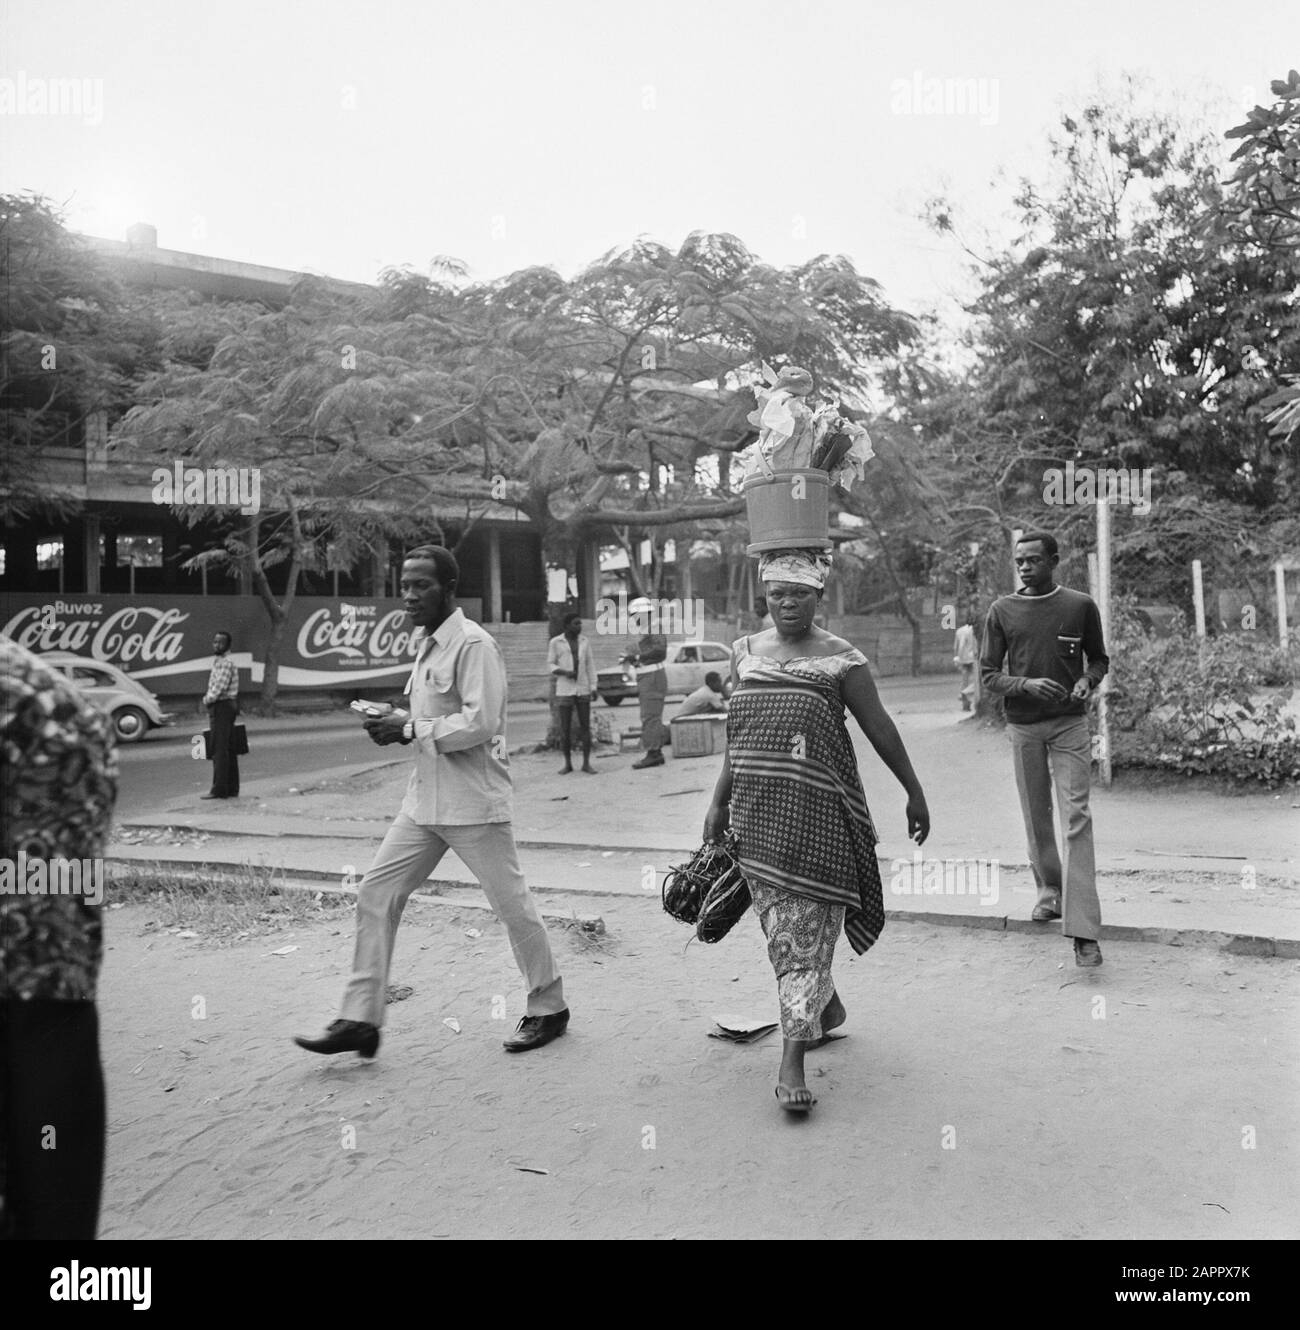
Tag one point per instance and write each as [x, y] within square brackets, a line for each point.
[90, 536]
[96, 442]
[493, 606]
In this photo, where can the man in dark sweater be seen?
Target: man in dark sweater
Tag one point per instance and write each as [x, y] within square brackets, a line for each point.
[1044, 654]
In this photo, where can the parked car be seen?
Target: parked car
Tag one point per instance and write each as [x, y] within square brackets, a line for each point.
[133, 709]
[686, 665]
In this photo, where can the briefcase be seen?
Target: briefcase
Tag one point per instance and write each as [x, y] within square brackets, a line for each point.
[238, 742]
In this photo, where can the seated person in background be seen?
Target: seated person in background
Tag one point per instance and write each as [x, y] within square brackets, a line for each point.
[708, 697]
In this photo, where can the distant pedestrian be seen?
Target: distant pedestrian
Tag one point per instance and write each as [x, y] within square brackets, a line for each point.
[459, 798]
[651, 690]
[570, 661]
[707, 698]
[966, 657]
[58, 779]
[222, 702]
[1051, 642]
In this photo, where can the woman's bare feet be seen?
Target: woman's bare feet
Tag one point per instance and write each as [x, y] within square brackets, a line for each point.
[794, 1099]
[833, 1016]
[791, 1091]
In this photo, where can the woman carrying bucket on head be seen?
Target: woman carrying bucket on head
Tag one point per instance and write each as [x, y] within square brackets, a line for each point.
[790, 790]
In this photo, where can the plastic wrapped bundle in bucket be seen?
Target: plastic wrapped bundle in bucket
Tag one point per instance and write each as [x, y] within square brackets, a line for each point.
[788, 510]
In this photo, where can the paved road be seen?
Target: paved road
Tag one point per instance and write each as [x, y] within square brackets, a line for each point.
[162, 766]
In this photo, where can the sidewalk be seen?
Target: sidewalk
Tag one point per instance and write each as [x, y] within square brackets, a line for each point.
[1193, 868]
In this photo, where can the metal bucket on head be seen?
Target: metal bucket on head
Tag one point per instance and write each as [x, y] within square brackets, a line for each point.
[788, 510]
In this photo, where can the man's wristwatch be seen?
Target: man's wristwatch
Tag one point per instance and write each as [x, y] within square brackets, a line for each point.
[408, 731]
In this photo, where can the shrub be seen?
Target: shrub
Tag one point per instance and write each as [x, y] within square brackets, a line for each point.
[1201, 707]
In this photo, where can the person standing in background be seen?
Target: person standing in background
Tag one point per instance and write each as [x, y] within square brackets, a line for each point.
[966, 657]
[570, 661]
[222, 702]
[58, 781]
[651, 689]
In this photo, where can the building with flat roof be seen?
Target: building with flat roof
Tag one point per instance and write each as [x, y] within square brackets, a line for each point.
[116, 544]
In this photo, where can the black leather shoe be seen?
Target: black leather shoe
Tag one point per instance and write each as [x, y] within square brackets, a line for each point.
[1047, 910]
[344, 1037]
[655, 759]
[1086, 952]
[534, 1031]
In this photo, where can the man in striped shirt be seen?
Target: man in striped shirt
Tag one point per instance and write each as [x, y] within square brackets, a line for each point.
[222, 702]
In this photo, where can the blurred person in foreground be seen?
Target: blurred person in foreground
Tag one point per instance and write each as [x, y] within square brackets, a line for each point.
[790, 789]
[58, 775]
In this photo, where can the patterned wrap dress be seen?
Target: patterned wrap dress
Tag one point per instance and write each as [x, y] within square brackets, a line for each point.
[58, 785]
[805, 834]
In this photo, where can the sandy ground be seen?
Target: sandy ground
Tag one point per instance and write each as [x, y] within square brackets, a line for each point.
[987, 1088]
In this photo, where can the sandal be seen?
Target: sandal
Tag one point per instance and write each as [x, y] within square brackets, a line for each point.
[789, 1103]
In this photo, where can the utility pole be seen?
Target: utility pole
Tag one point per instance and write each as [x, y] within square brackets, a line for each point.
[1103, 608]
[1279, 583]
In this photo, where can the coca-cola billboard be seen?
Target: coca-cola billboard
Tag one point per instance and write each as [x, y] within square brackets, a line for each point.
[166, 641]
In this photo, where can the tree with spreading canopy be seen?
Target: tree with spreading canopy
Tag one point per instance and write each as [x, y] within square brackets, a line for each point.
[1109, 335]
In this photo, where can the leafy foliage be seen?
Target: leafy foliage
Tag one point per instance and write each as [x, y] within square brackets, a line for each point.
[1196, 707]
[1261, 205]
[1110, 335]
[71, 346]
[1263, 194]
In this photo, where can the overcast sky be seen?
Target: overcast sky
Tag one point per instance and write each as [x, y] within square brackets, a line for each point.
[340, 136]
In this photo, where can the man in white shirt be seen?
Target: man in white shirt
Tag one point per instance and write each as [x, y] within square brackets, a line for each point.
[570, 660]
[459, 798]
[966, 658]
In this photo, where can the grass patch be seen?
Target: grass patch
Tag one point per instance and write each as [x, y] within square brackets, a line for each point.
[223, 905]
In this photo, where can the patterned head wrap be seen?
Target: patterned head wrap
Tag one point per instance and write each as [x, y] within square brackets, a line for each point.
[806, 567]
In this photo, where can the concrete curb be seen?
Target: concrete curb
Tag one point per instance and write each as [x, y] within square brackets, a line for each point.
[1228, 942]
[584, 923]
[1235, 944]
[339, 831]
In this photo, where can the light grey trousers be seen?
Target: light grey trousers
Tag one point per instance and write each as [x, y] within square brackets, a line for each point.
[1059, 752]
[409, 853]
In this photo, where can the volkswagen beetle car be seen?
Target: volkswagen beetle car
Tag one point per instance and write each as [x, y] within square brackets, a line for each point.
[132, 708]
[687, 663]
